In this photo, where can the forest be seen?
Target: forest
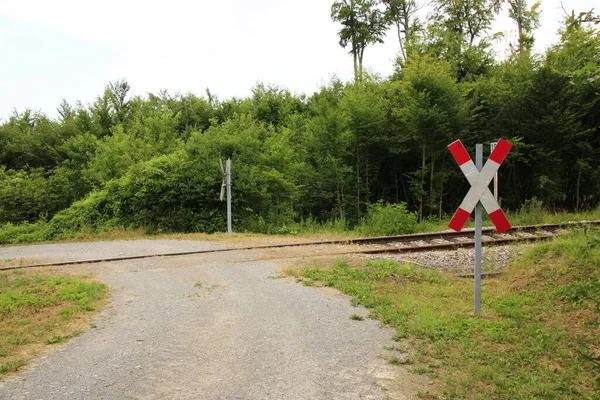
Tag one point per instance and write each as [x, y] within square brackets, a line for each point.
[152, 161]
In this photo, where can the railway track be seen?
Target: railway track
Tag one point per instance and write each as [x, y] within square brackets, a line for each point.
[449, 240]
[418, 242]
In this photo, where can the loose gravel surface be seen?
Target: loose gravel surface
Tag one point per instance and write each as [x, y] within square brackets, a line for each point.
[210, 326]
[462, 260]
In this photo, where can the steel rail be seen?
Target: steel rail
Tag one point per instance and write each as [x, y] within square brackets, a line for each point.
[398, 238]
[451, 245]
[466, 232]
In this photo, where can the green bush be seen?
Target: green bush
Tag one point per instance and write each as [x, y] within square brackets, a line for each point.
[36, 194]
[531, 212]
[23, 233]
[388, 219]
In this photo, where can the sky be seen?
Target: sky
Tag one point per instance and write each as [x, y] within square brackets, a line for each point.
[70, 49]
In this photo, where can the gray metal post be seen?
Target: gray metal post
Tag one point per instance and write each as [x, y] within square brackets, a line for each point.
[478, 226]
[228, 183]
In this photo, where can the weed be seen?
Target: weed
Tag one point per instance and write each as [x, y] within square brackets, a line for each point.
[67, 312]
[11, 365]
[56, 339]
[198, 284]
[399, 361]
[356, 317]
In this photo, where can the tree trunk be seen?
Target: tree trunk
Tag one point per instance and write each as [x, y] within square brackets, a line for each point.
[520, 25]
[355, 59]
[404, 190]
[339, 193]
[431, 185]
[368, 189]
[361, 53]
[421, 190]
[406, 33]
[357, 181]
[578, 188]
[396, 183]
[441, 198]
[400, 41]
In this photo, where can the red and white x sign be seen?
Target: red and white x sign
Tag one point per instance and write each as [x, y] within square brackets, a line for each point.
[479, 181]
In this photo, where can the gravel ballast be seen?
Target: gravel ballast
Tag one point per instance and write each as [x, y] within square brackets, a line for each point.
[210, 326]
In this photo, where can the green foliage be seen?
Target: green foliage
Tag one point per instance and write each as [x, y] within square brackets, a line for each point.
[388, 219]
[363, 23]
[459, 33]
[147, 136]
[23, 233]
[35, 194]
[527, 20]
[301, 163]
[531, 212]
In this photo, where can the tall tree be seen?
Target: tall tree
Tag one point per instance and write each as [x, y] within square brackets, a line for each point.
[363, 23]
[458, 33]
[402, 13]
[117, 93]
[527, 20]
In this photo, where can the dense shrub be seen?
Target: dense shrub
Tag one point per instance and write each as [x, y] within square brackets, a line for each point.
[388, 219]
[36, 194]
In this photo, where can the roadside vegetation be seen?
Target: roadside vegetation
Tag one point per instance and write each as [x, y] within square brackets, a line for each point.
[381, 219]
[538, 335]
[367, 156]
[39, 310]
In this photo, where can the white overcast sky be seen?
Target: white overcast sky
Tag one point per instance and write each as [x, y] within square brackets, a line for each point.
[55, 49]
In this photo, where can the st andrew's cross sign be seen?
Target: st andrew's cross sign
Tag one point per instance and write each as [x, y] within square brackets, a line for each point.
[479, 195]
[479, 181]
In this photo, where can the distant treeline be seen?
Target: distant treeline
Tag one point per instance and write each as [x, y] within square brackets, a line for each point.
[153, 161]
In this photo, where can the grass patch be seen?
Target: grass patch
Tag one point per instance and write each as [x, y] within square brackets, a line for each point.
[38, 310]
[356, 317]
[538, 337]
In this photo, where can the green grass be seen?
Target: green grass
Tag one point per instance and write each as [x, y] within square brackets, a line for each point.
[538, 336]
[40, 309]
[356, 317]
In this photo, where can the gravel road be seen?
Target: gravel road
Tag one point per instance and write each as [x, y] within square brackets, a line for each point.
[210, 326]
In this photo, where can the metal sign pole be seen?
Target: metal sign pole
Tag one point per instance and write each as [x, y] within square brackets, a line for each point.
[228, 183]
[478, 234]
[478, 197]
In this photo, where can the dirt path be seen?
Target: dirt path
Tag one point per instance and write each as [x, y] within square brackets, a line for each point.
[212, 326]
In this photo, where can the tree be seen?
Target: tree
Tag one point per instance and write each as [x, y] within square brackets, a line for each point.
[576, 59]
[65, 111]
[117, 93]
[363, 23]
[402, 13]
[329, 150]
[527, 19]
[457, 33]
[435, 114]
